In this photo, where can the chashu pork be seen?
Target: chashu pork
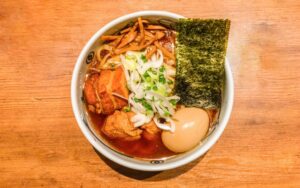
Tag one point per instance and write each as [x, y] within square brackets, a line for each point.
[118, 126]
[101, 90]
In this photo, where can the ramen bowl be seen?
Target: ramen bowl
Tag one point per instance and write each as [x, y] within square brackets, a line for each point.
[100, 144]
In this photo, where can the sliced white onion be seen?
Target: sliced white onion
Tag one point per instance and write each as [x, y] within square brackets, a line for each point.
[134, 69]
[174, 97]
[170, 72]
[139, 92]
[134, 81]
[144, 68]
[163, 126]
[172, 124]
[140, 119]
[118, 95]
[160, 111]
[169, 107]
[136, 107]
[125, 71]
[157, 59]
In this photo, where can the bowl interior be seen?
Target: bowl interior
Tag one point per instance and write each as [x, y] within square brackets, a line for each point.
[100, 144]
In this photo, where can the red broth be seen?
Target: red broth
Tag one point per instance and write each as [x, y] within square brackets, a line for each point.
[142, 148]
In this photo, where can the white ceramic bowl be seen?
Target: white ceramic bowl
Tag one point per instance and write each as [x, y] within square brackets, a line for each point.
[100, 144]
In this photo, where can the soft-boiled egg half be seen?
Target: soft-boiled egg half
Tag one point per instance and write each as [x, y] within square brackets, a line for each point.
[191, 126]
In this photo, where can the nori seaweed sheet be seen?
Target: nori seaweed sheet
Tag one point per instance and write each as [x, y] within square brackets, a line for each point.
[200, 55]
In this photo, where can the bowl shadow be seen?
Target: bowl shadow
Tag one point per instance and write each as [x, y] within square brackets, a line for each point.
[149, 176]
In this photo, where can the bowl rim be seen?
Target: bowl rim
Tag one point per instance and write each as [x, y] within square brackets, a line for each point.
[130, 164]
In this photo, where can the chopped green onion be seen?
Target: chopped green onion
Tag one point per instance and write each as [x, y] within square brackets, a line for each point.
[146, 74]
[173, 101]
[130, 57]
[146, 105]
[126, 109]
[170, 82]
[162, 69]
[167, 113]
[149, 86]
[151, 70]
[147, 77]
[136, 99]
[143, 57]
[162, 79]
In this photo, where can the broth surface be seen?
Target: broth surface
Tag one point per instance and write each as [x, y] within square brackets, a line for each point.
[142, 148]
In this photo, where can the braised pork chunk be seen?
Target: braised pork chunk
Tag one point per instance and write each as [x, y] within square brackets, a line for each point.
[103, 91]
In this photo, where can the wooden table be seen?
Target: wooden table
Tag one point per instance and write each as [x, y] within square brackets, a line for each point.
[41, 144]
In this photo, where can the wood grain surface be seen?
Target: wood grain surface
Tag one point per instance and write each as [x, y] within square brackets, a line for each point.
[41, 144]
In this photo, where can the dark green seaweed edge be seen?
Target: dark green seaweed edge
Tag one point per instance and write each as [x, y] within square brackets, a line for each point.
[185, 89]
